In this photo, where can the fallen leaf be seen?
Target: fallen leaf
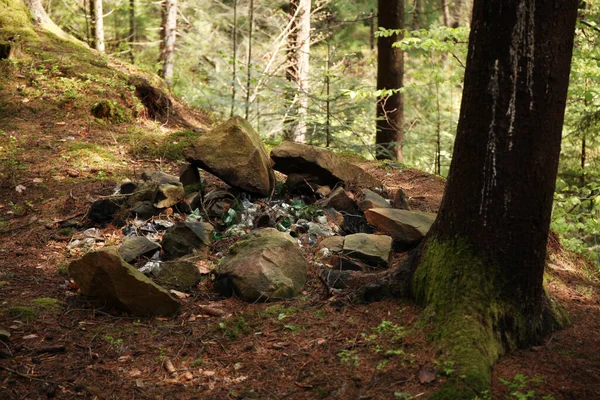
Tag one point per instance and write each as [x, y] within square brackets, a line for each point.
[29, 337]
[214, 312]
[20, 188]
[178, 294]
[135, 372]
[72, 172]
[426, 375]
[124, 358]
[187, 376]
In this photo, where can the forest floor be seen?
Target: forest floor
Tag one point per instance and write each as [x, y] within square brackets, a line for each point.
[56, 159]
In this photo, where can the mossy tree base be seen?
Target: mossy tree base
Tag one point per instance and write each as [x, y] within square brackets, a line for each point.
[477, 314]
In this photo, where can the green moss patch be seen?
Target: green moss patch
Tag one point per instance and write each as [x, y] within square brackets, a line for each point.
[111, 111]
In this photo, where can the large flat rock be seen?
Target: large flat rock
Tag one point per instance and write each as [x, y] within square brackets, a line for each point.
[234, 152]
[326, 166]
[405, 227]
[105, 276]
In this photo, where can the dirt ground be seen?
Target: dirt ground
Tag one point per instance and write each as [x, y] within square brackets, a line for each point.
[56, 159]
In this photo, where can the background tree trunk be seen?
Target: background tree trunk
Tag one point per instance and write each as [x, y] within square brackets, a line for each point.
[481, 266]
[249, 63]
[98, 26]
[168, 35]
[390, 73]
[299, 68]
[132, 30]
[43, 20]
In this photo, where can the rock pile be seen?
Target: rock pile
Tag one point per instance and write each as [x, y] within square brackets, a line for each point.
[171, 224]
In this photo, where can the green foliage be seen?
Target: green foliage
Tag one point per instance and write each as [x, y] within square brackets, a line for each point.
[576, 217]
[349, 357]
[11, 164]
[233, 327]
[523, 388]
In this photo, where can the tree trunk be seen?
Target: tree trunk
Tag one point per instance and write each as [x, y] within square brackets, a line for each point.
[416, 17]
[299, 68]
[445, 13]
[98, 26]
[43, 20]
[481, 266]
[461, 12]
[390, 73]
[132, 31]
[234, 58]
[249, 63]
[168, 35]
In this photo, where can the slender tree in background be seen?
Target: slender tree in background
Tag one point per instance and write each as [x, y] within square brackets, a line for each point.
[299, 68]
[480, 268]
[249, 63]
[168, 35]
[98, 26]
[390, 73]
[131, 30]
[234, 34]
[445, 13]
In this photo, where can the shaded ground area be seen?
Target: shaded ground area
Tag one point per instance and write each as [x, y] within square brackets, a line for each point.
[56, 159]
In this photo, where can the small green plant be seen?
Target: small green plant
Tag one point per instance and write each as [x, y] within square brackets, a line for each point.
[234, 327]
[112, 341]
[403, 395]
[523, 388]
[197, 362]
[349, 357]
[446, 368]
[21, 312]
[10, 164]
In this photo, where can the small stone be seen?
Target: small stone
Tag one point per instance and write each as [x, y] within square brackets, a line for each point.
[333, 243]
[178, 275]
[374, 250]
[186, 238]
[137, 246]
[4, 335]
[339, 200]
[401, 200]
[371, 199]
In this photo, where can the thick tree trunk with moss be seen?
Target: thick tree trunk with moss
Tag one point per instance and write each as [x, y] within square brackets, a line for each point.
[481, 266]
[390, 73]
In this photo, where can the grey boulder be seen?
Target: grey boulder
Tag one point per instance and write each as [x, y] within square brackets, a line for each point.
[262, 267]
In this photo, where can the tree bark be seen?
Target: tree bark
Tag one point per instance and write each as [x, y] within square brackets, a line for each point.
[43, 20]
[446, 13]
[390, 73]
[481, 266]
[98, 26]
[168, 35]
[299, 68]
[249, 63]
[132, 30]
